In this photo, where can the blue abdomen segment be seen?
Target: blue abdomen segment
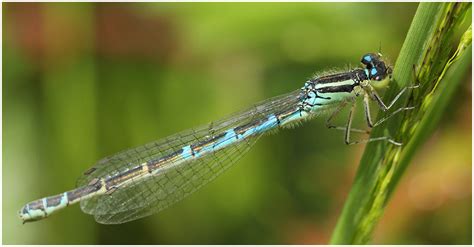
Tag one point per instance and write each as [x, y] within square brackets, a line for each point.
[271, 123]
[229, 137]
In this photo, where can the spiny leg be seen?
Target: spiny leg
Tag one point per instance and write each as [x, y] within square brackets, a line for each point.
[392, 114]
[367, 114]
[329, 125]
[383, 138]
[347, 134]
[379, 101]
[384, 107]
[368, 117]
[348, 128]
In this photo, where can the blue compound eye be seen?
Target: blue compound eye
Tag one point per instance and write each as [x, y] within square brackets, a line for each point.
[373, 71]
[368, 58]
[375, 67]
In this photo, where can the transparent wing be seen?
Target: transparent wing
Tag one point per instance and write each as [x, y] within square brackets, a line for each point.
[143, 197]
[154, 195]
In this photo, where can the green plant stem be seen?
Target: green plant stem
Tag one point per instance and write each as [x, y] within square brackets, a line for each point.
[439, 71]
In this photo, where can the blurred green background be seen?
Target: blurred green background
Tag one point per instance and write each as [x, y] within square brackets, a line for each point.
[85, 80]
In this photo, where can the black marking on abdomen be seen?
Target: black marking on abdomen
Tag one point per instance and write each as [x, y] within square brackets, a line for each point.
[124, 176]
[155, 164]
[196, 148]
[244, 128]
[38, 204]
[54, 200]
[83, 191]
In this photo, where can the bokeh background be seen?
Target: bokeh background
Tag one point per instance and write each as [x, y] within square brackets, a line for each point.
[85, 80]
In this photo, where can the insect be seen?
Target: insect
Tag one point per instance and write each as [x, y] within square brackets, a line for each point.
[141, 181]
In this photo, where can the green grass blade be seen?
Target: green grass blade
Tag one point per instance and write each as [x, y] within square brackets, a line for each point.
[439, 71]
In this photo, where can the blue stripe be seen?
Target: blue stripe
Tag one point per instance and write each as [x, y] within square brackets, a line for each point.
[270, 123]
[247, 133]
[205, 149]
[187, 152]
[229, 138]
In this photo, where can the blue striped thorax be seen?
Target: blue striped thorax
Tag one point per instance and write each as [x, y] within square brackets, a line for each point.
[323, 91]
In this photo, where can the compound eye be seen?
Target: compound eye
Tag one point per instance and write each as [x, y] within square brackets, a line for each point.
[373, 71]
[367, 59]
[375, 75]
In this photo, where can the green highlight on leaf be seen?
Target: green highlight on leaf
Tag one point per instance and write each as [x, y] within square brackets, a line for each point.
[427, 59]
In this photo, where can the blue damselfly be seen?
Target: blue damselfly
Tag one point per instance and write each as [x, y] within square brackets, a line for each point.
[141, 181]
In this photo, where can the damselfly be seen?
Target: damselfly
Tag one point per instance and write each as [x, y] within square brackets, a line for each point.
[139, 182]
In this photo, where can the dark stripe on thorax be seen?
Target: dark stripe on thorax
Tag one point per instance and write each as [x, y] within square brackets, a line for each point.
[333, 78]
[347, 88]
